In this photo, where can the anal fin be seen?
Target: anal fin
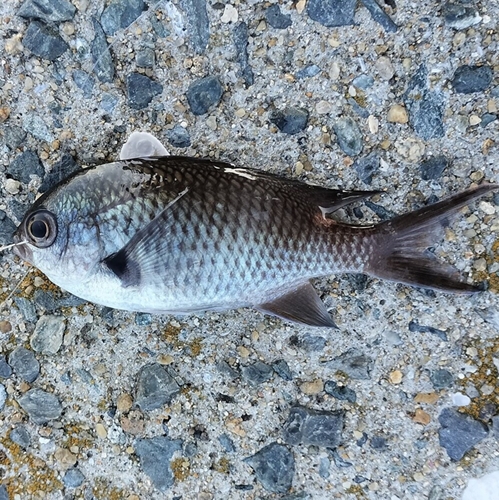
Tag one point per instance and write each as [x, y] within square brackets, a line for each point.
[300, 304]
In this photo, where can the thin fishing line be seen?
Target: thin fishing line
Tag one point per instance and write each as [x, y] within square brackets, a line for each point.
[16, 287]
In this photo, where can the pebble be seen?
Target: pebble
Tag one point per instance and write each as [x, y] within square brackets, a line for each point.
[380, 16]
[459, 432]
[155, 455]
[44, 41]
[119, 14]
[224, 368]
[340, 391]
[133, 423]
[290, 120]
[274, 467]
[7, 228]
[60, 170]
[24, 166]
[384, 67]
[84, 82]
[323, 107]
[307, 72]
[41, 406]
[460, 399]
[308, 342]
[348, 135]
[12, 186]
[367, 166]
[155, 387]
[145, 58]
[3, 396]
[24, 364]
[240, 36]
[20, 436]
[65, 458]
[353, 363]
[179, 137]
[5, 368]
[282, 369]
[227, 443]
[470, 79]
[34, 125]
[124, 402]
[73, 478]
[460, 16]
[257, 373]
[378, 443]
[331, 13]
[4, 495]
[276, 18]
[13, 136]
[143, 319]
[48, 334]
[203, 94]
[313, 387]
[434, 167]
[27, 309]
[397, 114]
[495, 426]
[395, 377]
[198, 23]
[441, 379]
[48, 11]
[230, 14]
[313, 428]
[141, 90]
[103, 66]
[416, 327]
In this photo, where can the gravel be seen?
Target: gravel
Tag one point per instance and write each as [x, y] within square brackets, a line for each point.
[24, 364]
[203, 94]
[141, 90]
[48, 11]
[73, 478]
[348, 135]
[20, 436]
[25, 165]
[103, 65]
[276, 18]
[257, 373]
[433, 168]
[48, 334]
[290, 120]
[332, 13]
[120, 14]
[470, 79]
[40, 406]
[155, 387]
[44, 41]
[353, 363]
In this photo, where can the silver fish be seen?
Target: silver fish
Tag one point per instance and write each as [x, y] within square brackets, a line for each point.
[180, 235]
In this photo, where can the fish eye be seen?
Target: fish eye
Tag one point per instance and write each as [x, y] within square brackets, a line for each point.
[41, 228]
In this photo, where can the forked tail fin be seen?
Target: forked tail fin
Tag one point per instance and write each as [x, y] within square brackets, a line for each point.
[400, 250]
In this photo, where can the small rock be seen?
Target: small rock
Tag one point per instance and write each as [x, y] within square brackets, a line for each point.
[124, 402]
[224, 368]
[119, 14]
[3, 396]
[27, 309]
[41, 406]
[332, 13]
[24, 364]
[24, 166]
[395, 377]
[197, 23]
[290, 120]
[460, 16]
[48, 334]
[282, 369]
[227, 443]
[60, 170]
[84, 82]
[203, 94]
[397, 114]
[378, 443]
[48, 11]
[65, 459]
[20, 436]
[7, 228]
[155, 387]
[145, 58]
[313, 427]
[13, 136]
[348, 135]
[12, 186]
[380, 16]
[101, 56]
[141, 90]
[178, 137]
[5, 368]
[459, 432]
[73, 478]
[34, 125]
[353, 363]
[44, 41]
[367, 166]
[240, 36]
[495, 426]
[4, 495]
[469, 79]
[143, 319]
[340, 391]
[441, 379]
[133, 423]
[434, 167]
[155, 455]
[309, 343]
[307, 72]
[274, 466]
[384, 67]
[313, 387]
[257, 373]
[415, 327]
[230, 14]
[276, 18]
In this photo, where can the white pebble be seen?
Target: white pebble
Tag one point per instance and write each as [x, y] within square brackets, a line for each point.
[460, 399]
[12, 186]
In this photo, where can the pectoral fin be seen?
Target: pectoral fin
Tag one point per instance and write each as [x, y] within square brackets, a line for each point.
[300, 304]
[142, 145]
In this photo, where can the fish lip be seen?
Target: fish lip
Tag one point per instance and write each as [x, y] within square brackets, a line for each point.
[22, 250]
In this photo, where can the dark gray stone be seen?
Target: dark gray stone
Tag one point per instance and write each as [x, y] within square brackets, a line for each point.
[257, 373]
[44, 41]
[332, 13]
[353, 363]
[290, 120]
[5, 368]
[7, 228]
[363, 82]
[276, 18]
[495, 426]
[487, 118]
[143, 319]
[227, 443]
[60, 171]
[274, 466]
[307, 72]
[34, 125]
[41, 406]
[45, 300]
[24, 364]
[73, 478]
[416, 327]
[3, 396]
[145, 58]
[48, 334]
[313, 427]
[25, 165]
[141, 90]
[470, 79]
[367, 166]
[20, 436]
[441, 379]
[348, 135]
[108, 102]
[282, 369]
[459, 432]
[179, 137]
[203, 94]
[155, 455]
[434, 167]
[340, 392]
[158, 27]
[308, 342]
[119, 14]
[197, 23]
[101, 55]
[378, 443]
[84, 81]
[155, 387]
[240, 36]
[224, 368]
[27, 309]
[460, 16]
[380, 16]
[13, 136]
[48, 11]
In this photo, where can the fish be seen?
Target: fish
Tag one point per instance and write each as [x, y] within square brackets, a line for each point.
[182, 235]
